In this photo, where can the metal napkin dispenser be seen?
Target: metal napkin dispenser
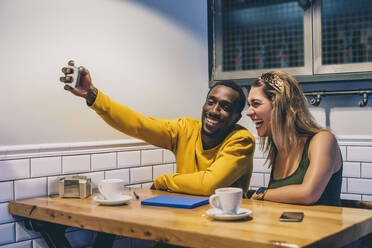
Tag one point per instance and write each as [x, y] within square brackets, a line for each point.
[75, 187]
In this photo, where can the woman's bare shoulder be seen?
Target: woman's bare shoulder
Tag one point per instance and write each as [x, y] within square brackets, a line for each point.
[323, 140]
[324, 145]
[324, 135]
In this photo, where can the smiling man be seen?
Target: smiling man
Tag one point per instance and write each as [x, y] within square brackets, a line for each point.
[212, 153]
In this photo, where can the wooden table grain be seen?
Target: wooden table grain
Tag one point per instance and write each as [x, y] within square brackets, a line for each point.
[322, 226]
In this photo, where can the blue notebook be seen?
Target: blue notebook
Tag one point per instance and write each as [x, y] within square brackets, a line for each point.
[175, 201]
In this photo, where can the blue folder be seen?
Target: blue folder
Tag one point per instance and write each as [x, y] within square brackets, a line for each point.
[175, 201]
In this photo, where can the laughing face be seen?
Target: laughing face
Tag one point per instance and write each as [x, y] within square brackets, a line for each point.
[219, 112]
[260, 111]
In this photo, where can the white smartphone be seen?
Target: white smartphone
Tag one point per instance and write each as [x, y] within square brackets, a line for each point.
[292, 216]
[75, 76]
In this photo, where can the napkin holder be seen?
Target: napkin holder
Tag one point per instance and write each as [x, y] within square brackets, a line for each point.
[75, 187]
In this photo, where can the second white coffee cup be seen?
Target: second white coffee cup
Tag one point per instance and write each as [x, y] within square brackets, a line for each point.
[227, 199]
[111, 189]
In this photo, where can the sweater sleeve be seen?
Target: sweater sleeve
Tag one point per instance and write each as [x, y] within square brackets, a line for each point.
[234, 161]
[158, 132]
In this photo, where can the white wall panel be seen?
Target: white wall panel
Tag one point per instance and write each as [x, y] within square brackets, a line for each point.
[141, 53]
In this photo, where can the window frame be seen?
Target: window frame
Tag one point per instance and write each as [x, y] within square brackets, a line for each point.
[312, 71]
[319, 68]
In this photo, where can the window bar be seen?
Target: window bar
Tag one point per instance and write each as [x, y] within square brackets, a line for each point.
[317, 95]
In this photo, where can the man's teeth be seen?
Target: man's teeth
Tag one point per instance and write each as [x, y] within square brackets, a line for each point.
[213, 122]
[258, 123]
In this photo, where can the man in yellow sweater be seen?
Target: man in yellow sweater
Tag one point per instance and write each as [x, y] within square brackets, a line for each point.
[212, 153]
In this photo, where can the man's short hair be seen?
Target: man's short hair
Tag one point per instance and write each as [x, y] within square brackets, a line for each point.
[241, 100]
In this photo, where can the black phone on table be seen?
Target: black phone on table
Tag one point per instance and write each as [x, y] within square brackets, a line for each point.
[292, 216]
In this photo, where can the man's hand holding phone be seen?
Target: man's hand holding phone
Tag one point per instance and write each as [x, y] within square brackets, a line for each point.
[77, 80]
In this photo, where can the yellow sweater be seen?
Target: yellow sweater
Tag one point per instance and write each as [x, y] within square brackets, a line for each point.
[199, 171]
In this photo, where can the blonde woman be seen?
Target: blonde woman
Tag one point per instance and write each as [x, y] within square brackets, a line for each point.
[305, 159]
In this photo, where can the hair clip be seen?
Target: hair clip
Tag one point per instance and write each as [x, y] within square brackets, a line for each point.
[273, 80]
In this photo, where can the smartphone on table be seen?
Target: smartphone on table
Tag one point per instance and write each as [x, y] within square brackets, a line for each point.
[292, 216]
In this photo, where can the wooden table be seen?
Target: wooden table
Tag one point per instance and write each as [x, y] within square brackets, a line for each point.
[322, 226]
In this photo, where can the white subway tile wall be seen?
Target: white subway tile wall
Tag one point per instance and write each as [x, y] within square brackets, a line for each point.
[103, 161]
[258, 153]
[343, 152]
[344, 185]
[267, 179]
[351, 169]
[135, 186]
[129, 159]
[47, 166]
[367, 198]
[22, 233]
[96, 177]
[31, 176]
[260, 166]
[367, 170]
[14, 169]
[75, 164]
[141, 174]
[147, 185]
[152, 157]
[7, 233]
[359, 186]
[257, 179]
[350, 196]
[6, 191]
[29, 188]
[163, 169]
[359, 153]
[5, 217]
[39, 243]
[118, 174]
[169, 157]
[53, 184]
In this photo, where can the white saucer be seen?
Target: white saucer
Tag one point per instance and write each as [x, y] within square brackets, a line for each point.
[122, 200]
[218, 215]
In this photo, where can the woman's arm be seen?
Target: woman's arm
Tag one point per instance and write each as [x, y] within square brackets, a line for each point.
[325, 160]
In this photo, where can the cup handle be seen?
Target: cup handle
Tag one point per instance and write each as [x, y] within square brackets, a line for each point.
[211, 201]
[100, 189]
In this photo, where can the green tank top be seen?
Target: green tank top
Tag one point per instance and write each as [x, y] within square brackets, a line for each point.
[332, 192]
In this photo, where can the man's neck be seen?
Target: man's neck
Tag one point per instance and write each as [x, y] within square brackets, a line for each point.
[210, 141]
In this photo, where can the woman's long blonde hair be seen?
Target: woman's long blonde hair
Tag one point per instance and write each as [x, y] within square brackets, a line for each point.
[290, 117]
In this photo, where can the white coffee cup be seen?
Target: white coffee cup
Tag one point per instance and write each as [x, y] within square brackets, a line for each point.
[227, 199]
[111, 189]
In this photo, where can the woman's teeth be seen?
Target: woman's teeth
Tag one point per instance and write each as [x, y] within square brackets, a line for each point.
[258, 123]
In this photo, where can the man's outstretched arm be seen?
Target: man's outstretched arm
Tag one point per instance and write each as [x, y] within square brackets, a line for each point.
[158, 132]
